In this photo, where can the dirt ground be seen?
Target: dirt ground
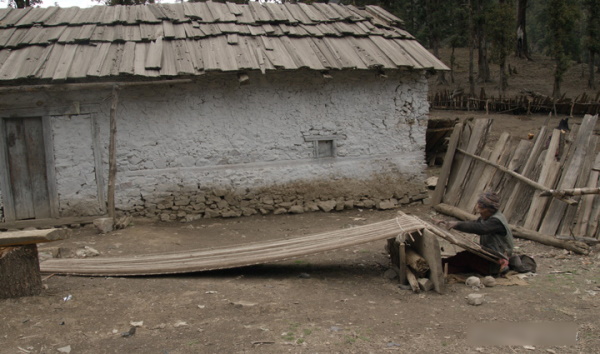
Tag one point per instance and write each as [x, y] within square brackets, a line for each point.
[335, 302]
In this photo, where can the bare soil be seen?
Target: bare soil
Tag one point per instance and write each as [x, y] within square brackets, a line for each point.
[335, 302]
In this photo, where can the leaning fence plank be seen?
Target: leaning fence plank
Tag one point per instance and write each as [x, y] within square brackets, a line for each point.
[483, 178]
[448, 159]
[480, 132]
[529, 165]
[572, 168]
[589, 200]
[548, 177]
[568, 226]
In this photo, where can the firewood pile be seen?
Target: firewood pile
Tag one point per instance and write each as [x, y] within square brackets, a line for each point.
[548, 185]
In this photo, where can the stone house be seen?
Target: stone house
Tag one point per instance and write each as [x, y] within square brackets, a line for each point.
[217, 109]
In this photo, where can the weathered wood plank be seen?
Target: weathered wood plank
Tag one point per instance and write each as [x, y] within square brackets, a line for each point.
[480, 131]
[538, 146]
[548, 176]
[557, 209]
[20, 275]
[448, 160]
[27, 237]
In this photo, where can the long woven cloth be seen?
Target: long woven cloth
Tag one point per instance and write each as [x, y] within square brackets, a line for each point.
[233, 256]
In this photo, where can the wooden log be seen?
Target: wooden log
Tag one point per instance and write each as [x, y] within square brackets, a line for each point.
[20, 272]
[570, 192]
[448, 160]
[112, 151]
[521, 178]
[417, 263]
[18, 238]
[412, 281]
[402, 267]
[519, 231]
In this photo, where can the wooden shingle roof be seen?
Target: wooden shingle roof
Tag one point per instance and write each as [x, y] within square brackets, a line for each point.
[187, 39]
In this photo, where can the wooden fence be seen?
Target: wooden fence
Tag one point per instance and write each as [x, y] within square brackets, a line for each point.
[526, 103]
[520, 170]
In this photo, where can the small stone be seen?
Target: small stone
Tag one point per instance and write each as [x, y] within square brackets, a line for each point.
[137, 324]
[86, 252]
[489, 281]
[431, 182]
[473, 282]
[180, 324]
[390, 274]
[385, 205]
[296, 209]
[240, 304]
[104, 225]
[66, 349]
[327, 206]
[475, 299]
[304, 275]
[425, 284]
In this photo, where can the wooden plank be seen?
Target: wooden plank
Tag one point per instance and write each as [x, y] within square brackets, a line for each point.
[482, 177]
[18, 169]
[557, 209]
[98, 165]
[154, 55]
[472, 179]
[548, 176]
[28, 237]
[98, 59]
[127, 63]
[49, 223]
[427, 245]
[36, 161]
[480, 131]
[448, 160]
[503, 183]
[538, 146]
[568, 226]
[585, 216]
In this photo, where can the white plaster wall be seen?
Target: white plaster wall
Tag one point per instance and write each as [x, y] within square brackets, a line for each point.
[216, 134]
[223, 134]
[74, 165]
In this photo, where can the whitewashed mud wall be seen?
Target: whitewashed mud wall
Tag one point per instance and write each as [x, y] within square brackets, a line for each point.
[221, 149]
[218, 149]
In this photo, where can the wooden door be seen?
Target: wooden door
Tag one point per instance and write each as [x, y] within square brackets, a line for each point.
[26, 163]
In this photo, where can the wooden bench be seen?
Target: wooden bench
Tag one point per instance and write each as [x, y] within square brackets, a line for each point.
[19, 263]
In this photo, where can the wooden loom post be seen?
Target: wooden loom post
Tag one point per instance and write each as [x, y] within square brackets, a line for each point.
[112, 151]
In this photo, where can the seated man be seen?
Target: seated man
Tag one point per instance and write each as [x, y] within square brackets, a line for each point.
[495, 236]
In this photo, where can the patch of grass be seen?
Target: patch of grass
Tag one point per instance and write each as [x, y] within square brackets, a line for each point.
[300, 261]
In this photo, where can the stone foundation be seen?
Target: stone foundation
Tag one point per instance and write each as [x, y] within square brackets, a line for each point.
[296, 198]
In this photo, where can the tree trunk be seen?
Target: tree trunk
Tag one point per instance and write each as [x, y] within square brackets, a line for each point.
[484, 70]
[522, 50]
[20, 275]
[452, 62]
[471, 50]
[591, 83]
[557, 81]
[503, 77]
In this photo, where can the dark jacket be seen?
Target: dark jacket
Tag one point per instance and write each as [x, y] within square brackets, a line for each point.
[494, 233]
